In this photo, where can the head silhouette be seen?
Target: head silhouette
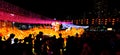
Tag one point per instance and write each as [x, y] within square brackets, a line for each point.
[54, 36]
[41, 33]
[30, 35]
[77, 35]
[60, 35]
[12, 35]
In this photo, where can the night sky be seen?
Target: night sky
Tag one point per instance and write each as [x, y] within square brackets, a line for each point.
[60, 8]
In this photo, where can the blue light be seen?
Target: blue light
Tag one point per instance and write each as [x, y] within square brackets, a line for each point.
[72, 25]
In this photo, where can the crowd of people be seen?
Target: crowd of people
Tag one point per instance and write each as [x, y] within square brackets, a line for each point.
[90, 43]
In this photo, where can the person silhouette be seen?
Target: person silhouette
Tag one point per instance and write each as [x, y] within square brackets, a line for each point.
[38, 43]
[10, 40]
[9, 43]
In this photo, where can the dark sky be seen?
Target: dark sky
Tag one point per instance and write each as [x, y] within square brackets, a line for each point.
[60, 8]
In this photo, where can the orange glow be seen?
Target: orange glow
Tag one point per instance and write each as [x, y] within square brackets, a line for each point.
[21, 34]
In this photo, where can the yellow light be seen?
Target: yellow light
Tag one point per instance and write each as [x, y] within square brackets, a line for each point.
[27, 42]
[109, 29]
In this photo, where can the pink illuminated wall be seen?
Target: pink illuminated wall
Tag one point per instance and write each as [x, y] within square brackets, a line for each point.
[22, 19]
